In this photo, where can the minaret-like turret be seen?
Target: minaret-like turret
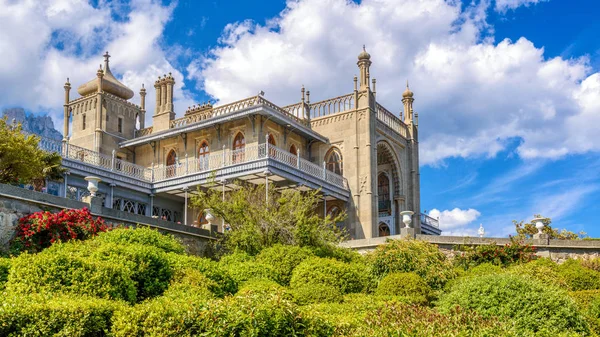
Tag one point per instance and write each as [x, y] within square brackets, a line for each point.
[364, 62]
[66, 113]
[163, 113]
[142, 107]
[407, 100]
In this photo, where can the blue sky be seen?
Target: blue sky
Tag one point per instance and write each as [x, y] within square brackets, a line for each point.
[508, 91]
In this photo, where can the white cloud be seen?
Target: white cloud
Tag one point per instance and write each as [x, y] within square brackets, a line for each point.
[474, 96]
[43, 42]
[454, 219]
[504, 5]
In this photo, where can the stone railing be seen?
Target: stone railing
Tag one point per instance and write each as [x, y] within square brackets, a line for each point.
[233, 107]
[427, 220]
[143, 132]
[188, 166]
[391, 121]
[332, 106]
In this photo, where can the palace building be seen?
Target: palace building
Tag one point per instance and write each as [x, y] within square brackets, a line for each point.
[361, 157]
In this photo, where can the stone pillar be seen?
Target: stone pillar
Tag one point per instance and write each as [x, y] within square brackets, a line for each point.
[157, 109]
[98, 116]
[163, 89]
[66, 112]
[142, 114]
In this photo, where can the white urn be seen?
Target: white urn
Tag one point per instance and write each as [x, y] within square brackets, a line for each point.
[539, 224]
[407, 217]
[92, 184]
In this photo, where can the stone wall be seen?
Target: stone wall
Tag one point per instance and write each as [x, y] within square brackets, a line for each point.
[557, 250]
[16, 202]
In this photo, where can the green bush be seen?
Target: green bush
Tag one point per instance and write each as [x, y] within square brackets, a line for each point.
[339, 253]
[511, 253]
[420, 257]
[191, 283]
[236, 257]
[408, 285]
[43, 315]
[363, 315]
[316, 293]
[263, 287]
[485, 269]
[246, 315]
[4, 268]
[345, 277]
[244, 271]
[56, 270]
[530, 305]
[543, 270]
[578, 277]
[223, 282]
[142, 236]
[283, 259]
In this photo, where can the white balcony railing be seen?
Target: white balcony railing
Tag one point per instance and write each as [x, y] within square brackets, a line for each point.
[187, 166]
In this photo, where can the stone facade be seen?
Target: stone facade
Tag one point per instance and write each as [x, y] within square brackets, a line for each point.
[362, 157]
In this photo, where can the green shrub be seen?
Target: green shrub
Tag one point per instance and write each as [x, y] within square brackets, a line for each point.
[485, 269]
[246, 315]
[191, 284]
[56, 270]
[408, 285]
[593, 264]
[339, 253]
[530, 305]
[4, 268]
[43, 315]
[588, 302]
[362, 315]
[244, 271]
[420, 257]
[511, 253]
[142, 236]
[236, 257]
[151, 270]
[345, 277]
[261, 286]
[578, 277]
[283, 259]
[543, 270]
[223, 282]
[316, 293]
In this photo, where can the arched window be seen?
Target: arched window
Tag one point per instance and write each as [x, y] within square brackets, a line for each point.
[384, 229]
[333, 160]
[272, 144]
[239, 143]
[171, 161]
[203, 153]
[383, 194]
[333, 211]
[293, 150]
[202, 218]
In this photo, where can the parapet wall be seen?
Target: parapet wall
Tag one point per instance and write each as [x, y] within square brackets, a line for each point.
[17, 202]
[557, 250]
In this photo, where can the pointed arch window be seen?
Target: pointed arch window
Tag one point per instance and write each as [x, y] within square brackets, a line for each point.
[203, 154]
[333, 161]
[272, 145]
[239, 145]
[293, 150]
[384, 229]
[171, 164]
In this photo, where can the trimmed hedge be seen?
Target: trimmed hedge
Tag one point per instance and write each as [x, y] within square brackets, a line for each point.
[223, 282]
[316, 293]
[57, 270]
[339, 253]
[4, 268]
[417, 256]
[530, 305]
[347, 278]
[143, 236]
[283, 260]
[408, 285]
[43, 315]
[543, 270]
[577, 277]
[485, 269]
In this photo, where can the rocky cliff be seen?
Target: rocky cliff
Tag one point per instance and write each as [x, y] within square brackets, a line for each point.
[40, 125]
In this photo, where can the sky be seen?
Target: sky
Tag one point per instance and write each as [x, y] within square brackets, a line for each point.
[507, 91]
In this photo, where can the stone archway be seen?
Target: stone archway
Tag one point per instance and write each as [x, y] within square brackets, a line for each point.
[386, 155]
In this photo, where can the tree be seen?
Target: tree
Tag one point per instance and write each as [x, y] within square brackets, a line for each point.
[527, 230]
[289, 218]
[22, 161]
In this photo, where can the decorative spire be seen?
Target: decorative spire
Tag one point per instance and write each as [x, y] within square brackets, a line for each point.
[106, 57]
[364, 62]
[364, 55]
[407, 93]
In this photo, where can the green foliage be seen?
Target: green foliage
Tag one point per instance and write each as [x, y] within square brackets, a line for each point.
[223, 282]
[526, 230]
[532, 306]
[287, 218]
[593, 264]
[339, 253]
[511, 253]
[250, 314]
[43, 315]
[244, 271]
[4, 268]
[143, 236]
[60, 269]
[236, 257]
[261, 286]
[347, 278]
[191, 283]
[52, 169]
[316, 293]
[577, 277]
[283, 260]
[423, 258]
[408, 285]
[21, 161]
[543, 269]
[362, 315]
[485, 269]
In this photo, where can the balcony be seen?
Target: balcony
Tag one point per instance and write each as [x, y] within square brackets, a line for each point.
[429, 225]
[251, 163]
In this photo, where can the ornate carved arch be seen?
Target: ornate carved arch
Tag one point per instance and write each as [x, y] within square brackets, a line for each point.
[386, 155]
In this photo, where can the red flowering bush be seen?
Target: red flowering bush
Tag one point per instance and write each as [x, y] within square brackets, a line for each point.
[41, 229]
[513, 252]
